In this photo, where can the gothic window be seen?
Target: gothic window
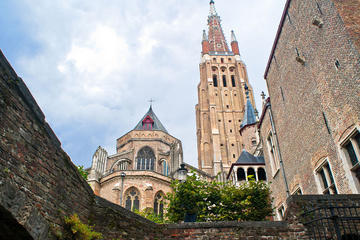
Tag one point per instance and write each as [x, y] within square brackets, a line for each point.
[215, 80]
[132, 199]
[165, 168]
[145, 159]
[159, 204]
[326, 179]
[241, 174]
[148, 123]
[261, 174]
[251, 173]
[224, 80]
[233, 80]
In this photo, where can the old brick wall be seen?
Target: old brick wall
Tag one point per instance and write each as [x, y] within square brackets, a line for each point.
[235, 230]
[38, 182]
[308, 99]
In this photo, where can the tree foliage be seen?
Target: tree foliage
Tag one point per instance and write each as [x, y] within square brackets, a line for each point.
[79, 230]
[150, 215]
[82, 172]
[214, 201]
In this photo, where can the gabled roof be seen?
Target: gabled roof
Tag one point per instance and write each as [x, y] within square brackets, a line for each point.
[249, 115]
[157, 125]
[247, 158]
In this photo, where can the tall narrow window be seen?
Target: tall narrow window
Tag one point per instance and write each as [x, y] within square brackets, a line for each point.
[271, 147]
[215, 81]
[132, 201]
[159, 204]
[222, 60]
[165, 168]
[224, 80]
[145, 159]
[233, 80]
[326, 179]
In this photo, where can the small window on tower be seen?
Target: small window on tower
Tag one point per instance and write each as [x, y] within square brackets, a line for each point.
[224, 80]
[232, 145]
[221, 145]
[229, 59]
[233, 155]
[229, 120]
[227, 106]
[214, 60]
[233, 80]
[231, 130]
[215, 80]
[222, 60]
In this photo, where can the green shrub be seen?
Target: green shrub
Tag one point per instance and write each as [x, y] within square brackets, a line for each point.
[79, 230]
[149, 214]
[214, 201]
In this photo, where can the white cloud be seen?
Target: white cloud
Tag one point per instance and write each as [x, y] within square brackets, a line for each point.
[100, 62]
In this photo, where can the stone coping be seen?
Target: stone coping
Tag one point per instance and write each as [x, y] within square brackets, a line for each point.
[230, 224]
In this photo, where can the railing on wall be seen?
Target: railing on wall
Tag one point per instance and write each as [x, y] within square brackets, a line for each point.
[328, 217]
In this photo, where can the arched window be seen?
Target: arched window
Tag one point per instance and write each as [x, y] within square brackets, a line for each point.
[165, 168]
[261, 174]
[159, 204]
[215, 80]
[132, 199]
[145, 159]
[241, 174]
[224, 80]
[251, 172]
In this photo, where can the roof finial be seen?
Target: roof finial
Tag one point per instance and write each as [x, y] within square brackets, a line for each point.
[212, 8]
[204, 36]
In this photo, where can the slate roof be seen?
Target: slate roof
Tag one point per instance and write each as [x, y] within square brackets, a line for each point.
[247, 158]
[157, 124]
[249, 115]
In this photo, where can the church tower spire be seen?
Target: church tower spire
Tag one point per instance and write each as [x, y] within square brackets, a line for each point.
[221, 99]
[216, 36]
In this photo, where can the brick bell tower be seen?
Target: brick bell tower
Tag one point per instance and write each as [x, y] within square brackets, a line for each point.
[221, 99]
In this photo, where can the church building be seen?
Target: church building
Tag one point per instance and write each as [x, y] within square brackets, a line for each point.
[138, 175]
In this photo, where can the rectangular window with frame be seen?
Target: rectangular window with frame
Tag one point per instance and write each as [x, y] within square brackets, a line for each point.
[326, 179]
[352, 148]
[275, 165]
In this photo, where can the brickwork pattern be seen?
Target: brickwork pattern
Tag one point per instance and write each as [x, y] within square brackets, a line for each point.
[314, 103]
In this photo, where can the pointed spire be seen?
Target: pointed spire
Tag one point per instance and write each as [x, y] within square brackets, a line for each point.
[234, 44]
[233, 37]
[249, 115]
[212, 9]
[204, 38]
[216, 36]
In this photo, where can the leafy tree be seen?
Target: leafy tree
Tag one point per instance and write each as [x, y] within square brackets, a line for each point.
[214, 201]
[82, 172]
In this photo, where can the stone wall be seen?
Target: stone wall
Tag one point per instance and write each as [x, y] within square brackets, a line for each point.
[315, 103]
[235, 230]
[39, 184]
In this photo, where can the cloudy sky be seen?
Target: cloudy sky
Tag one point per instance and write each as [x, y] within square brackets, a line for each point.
[93, 65]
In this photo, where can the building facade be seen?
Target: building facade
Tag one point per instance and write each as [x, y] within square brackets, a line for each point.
[221, 100]
[138, 176]
[310, 125]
